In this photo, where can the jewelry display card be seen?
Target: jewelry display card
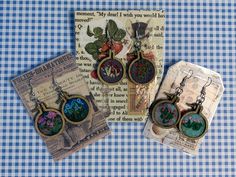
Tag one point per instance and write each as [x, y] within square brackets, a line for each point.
[125, 101]
[66, 72]
[213, 92]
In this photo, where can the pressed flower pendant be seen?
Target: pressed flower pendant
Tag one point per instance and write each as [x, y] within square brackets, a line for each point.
[49, 122]
[75, 108]
[110, 70]
[193, 124]
[165, 113]
[141, 70]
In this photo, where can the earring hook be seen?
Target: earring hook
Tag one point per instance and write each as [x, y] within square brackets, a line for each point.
[58, 88]
[53, 79]
[208, 83]
[54, 82]
[190, 73]
[31, 88]
[33, 96]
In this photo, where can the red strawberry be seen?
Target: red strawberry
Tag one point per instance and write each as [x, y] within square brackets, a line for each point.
[105, 47]
[117, 47]
[94, 74]
[102, 56]
[149, 55]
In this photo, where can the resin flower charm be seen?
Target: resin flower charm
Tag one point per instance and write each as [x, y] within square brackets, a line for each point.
[75, 109]
[141, 70]
[110, 70]
[165, 113]
[49, 122]
[193, 124]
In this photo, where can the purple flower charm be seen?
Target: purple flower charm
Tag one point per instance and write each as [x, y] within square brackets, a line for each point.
[42, 120]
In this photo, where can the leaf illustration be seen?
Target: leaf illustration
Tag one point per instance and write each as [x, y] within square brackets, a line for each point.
[119, 35]
[103, 38]
[97, 32]
[98, 43]
[91, 48]
[89, 32]
[111, 28]
[95, 56]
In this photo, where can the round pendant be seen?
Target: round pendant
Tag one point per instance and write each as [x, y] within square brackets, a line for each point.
[193, 125]
[75, 109]
[165, 114]
[49, 122]
[110, 71]
[141, 70]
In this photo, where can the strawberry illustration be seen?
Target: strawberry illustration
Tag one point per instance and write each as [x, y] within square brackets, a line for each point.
[117, 47]
[105, 47]
[102, 56]
[94, 74]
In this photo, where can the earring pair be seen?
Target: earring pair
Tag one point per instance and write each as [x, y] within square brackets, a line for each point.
[50, 122]
[166, 114]
[140, 71]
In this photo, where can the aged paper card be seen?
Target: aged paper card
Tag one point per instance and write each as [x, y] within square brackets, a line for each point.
[67, 74]
[172, 137]
[124, 101]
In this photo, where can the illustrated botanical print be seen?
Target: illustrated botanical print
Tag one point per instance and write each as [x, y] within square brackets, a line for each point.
[76, 109]
[50, 123]
[110, 38]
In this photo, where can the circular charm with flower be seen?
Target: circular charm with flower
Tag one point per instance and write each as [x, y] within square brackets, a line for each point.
[75, 109]
[141, 70]
[49, 122]
[165, 114]
[110, 70]
[193, 125]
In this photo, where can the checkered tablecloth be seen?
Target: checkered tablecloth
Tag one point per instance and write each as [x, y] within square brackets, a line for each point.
[32, 32]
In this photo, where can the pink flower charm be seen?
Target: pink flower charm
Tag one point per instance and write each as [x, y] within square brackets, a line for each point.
[51, 115]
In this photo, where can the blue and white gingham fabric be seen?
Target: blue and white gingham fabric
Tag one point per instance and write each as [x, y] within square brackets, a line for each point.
[32, 32]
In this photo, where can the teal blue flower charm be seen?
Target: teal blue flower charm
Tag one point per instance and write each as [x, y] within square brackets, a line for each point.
[75, 108]
[193, 124]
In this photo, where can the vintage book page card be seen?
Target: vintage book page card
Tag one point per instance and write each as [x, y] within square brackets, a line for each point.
[98, 33]
[192, 90]
[70, 123]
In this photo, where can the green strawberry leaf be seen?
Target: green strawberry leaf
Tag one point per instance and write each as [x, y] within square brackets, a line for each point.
[119, 35]
[95, 56]
[97, 32]
[98, 43]
[91, 48]
[103, 38]
[89, 32]
[111, 28]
